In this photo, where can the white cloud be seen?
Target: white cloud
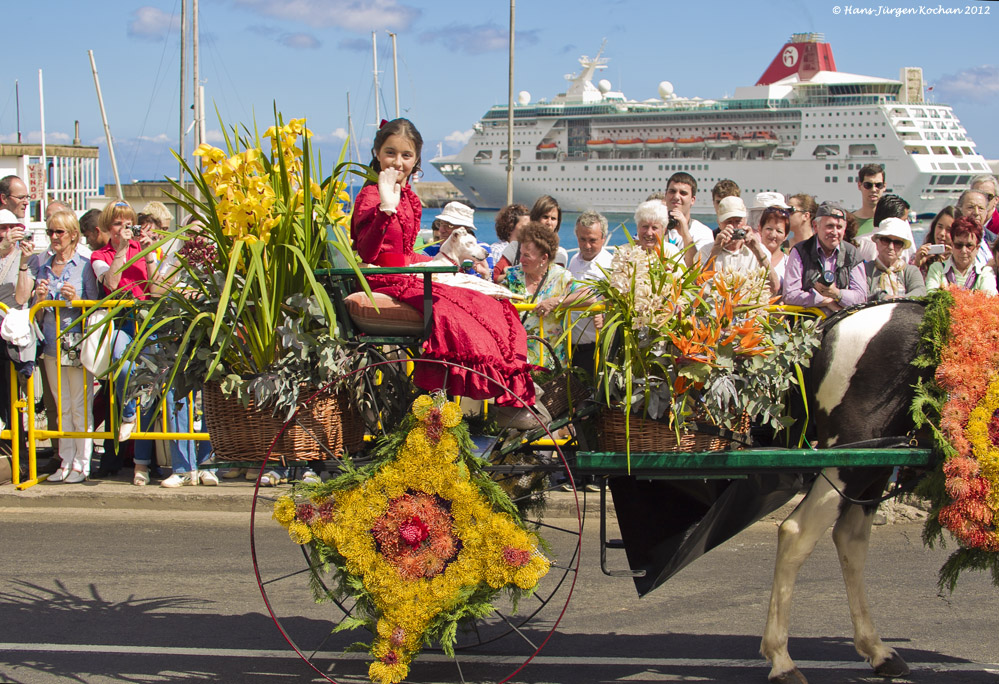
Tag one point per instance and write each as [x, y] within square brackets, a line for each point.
[474, 40]
[459, 137]
[161, 138]
[35, 138]
[355, 15]
[214, 136]
[151, 23]
[339, 134]
[300, 41]
[976, 84]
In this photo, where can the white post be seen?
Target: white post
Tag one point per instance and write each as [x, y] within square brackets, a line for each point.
[107, 129]
[395, 73]
[45, 171]
[183, 89]
[374, 61]
[509, 117]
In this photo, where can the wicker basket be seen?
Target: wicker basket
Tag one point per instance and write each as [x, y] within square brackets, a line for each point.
[564, 390]
[325, 426]
[646, 435]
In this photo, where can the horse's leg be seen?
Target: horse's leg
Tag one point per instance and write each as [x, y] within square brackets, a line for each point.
[852, 535]
[795, 541]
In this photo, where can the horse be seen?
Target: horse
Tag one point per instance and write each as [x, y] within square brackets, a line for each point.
[860, 385]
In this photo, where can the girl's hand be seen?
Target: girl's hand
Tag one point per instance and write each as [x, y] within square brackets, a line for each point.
[389, 190]
[67, 292]
[41, 289]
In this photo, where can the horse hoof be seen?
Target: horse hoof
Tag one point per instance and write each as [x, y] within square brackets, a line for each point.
[893, 666]
[790, 677]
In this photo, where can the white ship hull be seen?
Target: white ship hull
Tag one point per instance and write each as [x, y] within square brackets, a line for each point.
[825, 128]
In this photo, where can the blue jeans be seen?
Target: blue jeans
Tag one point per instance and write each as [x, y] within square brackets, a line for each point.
[185, 455]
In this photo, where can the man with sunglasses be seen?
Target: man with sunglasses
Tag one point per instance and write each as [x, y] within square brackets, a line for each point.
[871, 184]
[15, 199]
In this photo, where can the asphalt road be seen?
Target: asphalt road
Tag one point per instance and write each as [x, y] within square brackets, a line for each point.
[170, 596]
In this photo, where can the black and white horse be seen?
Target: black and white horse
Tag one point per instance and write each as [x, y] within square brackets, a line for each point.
[860, 388]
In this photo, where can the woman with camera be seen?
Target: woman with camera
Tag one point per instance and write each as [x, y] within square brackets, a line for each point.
[62, 273]
[936, 246]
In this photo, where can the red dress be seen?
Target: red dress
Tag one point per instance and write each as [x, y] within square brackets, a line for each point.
[470, 329]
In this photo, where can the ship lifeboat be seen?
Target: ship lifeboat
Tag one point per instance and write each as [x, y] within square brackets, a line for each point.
[759, 139]
[598, 145]
[722, 139]
[629, 144]
[690, 143]
[547, 146]
[660, 143]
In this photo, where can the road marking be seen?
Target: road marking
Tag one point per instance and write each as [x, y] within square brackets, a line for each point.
[96, 649]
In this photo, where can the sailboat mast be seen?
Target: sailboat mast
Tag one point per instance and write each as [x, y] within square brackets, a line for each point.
[374, 61]
[196, 73]
[395, 73]
[183, 90]
[509, 117]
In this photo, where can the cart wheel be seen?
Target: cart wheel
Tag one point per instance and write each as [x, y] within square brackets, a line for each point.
[286, 576]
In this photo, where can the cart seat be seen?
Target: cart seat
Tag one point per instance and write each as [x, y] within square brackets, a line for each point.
[383, 316]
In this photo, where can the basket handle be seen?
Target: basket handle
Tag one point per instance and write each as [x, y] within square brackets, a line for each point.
[551, 353]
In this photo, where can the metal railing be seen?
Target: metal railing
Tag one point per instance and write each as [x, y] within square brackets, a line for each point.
[25, 409]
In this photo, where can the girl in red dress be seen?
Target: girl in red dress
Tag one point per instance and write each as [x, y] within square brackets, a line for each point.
[469, 329]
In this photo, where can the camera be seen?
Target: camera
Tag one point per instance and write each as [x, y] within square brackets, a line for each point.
[672, 224]
[827, 278]
[937, 249]
[739, 234]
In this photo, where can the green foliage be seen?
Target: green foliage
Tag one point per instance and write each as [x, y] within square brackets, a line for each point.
[243, 307]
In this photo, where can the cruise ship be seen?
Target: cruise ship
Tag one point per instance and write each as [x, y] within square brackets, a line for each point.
[803, 127]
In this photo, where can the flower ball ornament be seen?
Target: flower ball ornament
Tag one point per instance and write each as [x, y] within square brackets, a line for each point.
[425, 532]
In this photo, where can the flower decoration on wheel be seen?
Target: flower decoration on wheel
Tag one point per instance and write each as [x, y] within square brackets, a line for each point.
[422, 538]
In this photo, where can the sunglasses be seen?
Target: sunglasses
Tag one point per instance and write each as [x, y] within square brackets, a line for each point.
[899, 244]
[868, 185]
[50, 232]
[965, 245]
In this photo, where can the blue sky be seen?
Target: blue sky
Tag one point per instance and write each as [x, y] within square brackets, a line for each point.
[307, 54]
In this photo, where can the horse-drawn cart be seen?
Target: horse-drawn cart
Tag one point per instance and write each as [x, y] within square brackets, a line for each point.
[671, 507]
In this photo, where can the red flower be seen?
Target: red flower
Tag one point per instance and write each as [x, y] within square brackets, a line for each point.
[305, 512]
[390, 658]
[516, 557]
[435, 426]
[413, 531]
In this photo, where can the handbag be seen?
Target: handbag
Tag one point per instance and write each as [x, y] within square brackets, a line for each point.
[95, 348]
[69, 348]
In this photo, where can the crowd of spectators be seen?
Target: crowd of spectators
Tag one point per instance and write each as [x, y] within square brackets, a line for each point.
[806, 252]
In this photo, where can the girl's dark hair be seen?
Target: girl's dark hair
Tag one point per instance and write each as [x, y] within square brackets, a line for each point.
[542, 206]
[403, 128]
[542, 238]
[506, 220]
[949, 210]
[852, 226]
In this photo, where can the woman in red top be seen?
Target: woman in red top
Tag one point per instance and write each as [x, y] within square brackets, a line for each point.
[470, 329]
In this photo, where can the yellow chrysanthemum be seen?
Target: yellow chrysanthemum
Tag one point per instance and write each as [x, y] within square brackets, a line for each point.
[284, 510]
[299, 532]
[422, 406]
[451, 414]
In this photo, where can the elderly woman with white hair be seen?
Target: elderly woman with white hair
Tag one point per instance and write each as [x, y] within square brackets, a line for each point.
[889, 276]
[652, 221]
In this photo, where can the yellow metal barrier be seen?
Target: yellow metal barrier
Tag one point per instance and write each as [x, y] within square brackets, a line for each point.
[26, 408]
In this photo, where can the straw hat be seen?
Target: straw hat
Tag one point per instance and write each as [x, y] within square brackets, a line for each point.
[894, 228]
[729, 207]
[458, 214]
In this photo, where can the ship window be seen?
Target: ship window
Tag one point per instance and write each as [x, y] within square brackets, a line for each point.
[835, 179]
[963, 180]
[947, 180]
[827, 179]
